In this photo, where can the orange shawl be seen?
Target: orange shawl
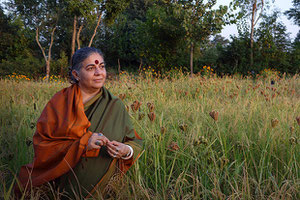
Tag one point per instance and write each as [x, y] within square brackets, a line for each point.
[60, 138]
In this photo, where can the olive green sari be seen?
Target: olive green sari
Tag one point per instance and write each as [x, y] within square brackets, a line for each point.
[107, 115]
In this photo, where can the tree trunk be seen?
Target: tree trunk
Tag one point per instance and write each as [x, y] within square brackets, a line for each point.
[252, 33]
[141, 64]
[78, 36]
[95, 30]
[49, 54]
[47, 70]
[119, 66]
[43, 51]
[47, 60]
[38, 42]
[191, 58]
[73, 36]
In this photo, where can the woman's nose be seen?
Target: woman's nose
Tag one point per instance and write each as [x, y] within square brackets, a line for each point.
[98, 71]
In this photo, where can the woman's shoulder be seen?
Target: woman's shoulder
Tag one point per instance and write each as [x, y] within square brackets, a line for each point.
[63, 94]
[117, 101]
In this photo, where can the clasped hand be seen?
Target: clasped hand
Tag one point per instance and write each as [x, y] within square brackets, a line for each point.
[115, 149]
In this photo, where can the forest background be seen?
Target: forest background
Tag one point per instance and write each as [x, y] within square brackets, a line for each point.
[39, 37]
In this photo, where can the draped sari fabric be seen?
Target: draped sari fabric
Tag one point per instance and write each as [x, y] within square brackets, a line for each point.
[61, 138]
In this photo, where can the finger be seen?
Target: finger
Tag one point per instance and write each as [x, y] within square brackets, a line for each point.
[103, 139]
[110, 145]
[113, 147]
[103, 142]
[113, 154]
[115, 143]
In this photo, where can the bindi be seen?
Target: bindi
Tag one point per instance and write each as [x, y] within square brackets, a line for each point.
[96, 62]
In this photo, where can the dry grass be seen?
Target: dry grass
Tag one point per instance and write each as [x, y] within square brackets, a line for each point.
[211, 138]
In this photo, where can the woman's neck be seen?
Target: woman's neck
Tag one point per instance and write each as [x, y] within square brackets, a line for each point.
[88, 94]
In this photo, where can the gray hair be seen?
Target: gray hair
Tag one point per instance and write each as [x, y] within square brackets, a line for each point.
[77, 59]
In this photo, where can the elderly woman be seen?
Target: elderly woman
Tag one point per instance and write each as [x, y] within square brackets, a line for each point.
[84, 134]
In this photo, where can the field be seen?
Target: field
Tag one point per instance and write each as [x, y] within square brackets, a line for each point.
[204, 137]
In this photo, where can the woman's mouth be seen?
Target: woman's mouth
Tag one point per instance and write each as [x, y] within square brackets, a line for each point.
[98, 80]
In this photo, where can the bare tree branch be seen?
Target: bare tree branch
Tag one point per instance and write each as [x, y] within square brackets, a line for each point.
[95, 30]
[38, 42]
[78, 36]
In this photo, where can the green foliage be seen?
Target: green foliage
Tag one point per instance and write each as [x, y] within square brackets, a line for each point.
[159, 33]
[273, 44]
[294, 13]
[234, 58]
[60, 66]
[26, 64]
[141, 33]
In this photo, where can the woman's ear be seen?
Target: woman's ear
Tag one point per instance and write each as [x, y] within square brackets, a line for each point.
[75, 74]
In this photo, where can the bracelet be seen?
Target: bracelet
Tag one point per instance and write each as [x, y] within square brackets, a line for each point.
[129, 155]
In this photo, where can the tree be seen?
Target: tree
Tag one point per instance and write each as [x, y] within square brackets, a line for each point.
[211, 52]
[294, 13]
[41, 16]
[234, 57]
[90, 11]
[253, 9]
[163, 33]
[295, 55]
[200, 21]
[273, 43]
[7, 36]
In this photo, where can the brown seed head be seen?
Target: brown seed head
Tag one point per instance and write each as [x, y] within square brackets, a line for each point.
[163, 130]
[267, 99]
[274, 122]
[152, 116]
[135, 106]
[214, 114]
[174, 146]
[122, 96]
[28, 141]
[183, 127]
[150, 106]
[293, 140]
[298, 120]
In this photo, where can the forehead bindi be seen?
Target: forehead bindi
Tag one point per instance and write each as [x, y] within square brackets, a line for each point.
[94, 59]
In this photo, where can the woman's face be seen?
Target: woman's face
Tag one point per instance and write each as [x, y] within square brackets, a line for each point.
[92, 74]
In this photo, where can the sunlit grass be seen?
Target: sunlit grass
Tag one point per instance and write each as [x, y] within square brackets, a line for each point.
[211, 138]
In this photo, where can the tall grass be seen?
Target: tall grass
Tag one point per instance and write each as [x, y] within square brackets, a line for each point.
[250, 151]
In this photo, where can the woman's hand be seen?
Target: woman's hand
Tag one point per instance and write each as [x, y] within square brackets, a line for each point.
[96, 141]
[117, 150]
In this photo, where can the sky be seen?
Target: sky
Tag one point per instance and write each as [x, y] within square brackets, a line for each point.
[281, 5]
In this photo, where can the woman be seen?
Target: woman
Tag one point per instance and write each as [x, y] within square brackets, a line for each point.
[84, 134]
